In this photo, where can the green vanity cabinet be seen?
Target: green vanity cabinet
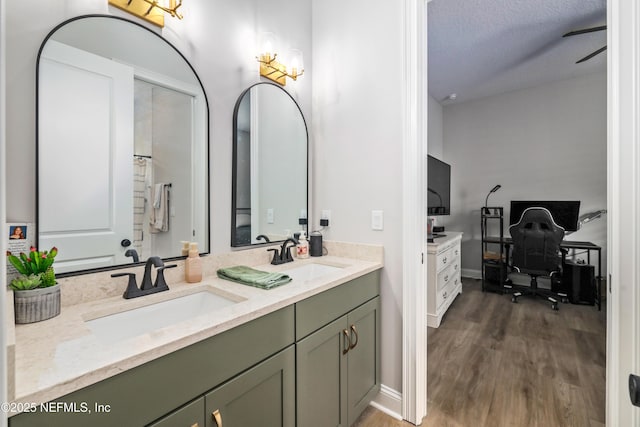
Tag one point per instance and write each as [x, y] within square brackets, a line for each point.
[313, 363]
[262, 396]
[147, 393]
[338, 365]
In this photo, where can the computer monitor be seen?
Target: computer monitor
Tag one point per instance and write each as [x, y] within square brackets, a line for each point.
[565, 213]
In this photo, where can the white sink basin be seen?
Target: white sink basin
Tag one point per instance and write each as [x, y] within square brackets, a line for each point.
[311, 271]
[139, 321]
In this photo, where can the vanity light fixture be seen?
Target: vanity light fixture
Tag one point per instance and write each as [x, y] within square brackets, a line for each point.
[275, 70]
[150, 10]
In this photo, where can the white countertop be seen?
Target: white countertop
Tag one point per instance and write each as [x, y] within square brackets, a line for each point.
[61, 355]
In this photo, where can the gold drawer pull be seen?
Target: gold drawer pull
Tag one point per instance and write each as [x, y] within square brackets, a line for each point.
[355, 343]
[345, 349]
[217, 418]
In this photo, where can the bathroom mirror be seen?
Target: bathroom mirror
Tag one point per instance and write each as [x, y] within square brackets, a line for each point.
[122, 146]
[270, 154]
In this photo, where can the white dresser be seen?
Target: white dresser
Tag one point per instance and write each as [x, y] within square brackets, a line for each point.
[443, 277]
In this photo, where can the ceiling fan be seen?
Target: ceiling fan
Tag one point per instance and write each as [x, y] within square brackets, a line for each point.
[587, 30]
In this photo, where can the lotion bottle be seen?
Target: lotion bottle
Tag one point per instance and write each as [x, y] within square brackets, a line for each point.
[193, 265]
[302, 248]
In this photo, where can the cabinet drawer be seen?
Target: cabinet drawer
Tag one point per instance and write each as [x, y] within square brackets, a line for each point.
[443, 259]
[315, 312]
[445, 277]
[448, 291]
[191, 415]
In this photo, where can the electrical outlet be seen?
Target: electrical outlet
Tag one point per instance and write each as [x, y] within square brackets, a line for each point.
[325, 218]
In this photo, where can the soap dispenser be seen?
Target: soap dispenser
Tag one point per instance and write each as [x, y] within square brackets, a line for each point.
[193, 265]
[302, 248]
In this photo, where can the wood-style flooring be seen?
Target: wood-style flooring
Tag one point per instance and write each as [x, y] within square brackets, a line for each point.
[495, 363]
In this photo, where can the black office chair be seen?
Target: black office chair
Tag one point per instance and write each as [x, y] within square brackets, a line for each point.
[536, 251]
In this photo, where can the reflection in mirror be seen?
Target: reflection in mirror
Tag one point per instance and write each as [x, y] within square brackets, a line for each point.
[269, 167]
[122, 146]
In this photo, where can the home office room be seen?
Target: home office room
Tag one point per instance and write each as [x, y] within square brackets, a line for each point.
[521, 123]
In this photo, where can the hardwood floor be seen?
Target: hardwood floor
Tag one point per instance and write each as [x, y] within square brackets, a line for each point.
[495, 363]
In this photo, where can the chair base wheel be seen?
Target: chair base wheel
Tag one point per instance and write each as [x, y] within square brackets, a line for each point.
[514, 299]
[554, 306]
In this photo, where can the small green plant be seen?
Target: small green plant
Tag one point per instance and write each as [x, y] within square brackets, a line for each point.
[36, 265]
[24, 283]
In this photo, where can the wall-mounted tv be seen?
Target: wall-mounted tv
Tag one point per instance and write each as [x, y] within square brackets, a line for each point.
[438, 187]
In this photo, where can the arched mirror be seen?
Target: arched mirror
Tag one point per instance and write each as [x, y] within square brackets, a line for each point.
[270, 155]
[122, 148]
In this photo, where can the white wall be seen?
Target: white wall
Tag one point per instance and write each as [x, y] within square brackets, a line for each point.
[435, 128]
[544, 143]
[357, 134]
[218, 37]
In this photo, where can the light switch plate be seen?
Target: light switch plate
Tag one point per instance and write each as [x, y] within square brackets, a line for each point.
[377, 220]
[270, 216]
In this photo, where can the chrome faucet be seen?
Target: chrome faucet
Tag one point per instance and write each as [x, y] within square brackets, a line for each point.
[147, 287]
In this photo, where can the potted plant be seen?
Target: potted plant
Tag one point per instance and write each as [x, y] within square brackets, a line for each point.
[36, 294]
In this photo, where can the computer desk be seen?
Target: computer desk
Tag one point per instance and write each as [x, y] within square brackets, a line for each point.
[566, 244]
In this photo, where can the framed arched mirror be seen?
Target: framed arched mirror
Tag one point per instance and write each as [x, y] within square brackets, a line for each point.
[270, 167]
[122, 146]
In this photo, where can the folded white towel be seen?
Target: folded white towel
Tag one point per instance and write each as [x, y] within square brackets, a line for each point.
[157, 195]
[159, 217]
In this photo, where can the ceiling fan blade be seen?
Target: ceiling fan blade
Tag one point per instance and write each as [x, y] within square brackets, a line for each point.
[586, 30]
[591, 55]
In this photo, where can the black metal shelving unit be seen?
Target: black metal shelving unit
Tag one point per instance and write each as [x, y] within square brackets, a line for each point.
[494, 266]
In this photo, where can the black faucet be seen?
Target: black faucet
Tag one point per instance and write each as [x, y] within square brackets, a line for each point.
[133, 254]
[284, 255]
[262, 236]
[147, 287]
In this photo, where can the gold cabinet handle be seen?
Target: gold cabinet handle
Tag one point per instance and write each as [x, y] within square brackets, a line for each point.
[217, 418]
[355, 343]
[347, 340]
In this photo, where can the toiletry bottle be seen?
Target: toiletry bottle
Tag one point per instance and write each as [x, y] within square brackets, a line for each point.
[302, 248]
[193, 265]
[185, 248]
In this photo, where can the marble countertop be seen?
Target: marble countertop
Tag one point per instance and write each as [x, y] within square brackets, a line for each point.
[62, 355]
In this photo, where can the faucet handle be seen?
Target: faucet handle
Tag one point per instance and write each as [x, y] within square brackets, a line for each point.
[276, 256]
[132, 286]
[160, 282]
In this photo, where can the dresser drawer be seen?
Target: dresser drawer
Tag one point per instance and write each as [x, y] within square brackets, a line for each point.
[443, 259]
[448, 291]
[445, 277]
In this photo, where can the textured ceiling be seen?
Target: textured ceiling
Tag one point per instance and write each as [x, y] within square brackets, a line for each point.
[479, 48]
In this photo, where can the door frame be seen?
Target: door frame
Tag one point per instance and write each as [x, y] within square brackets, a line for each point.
[414, 150]
[623, 207]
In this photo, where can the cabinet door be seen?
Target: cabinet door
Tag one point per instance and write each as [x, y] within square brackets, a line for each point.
[262, 396]
[191, 415]
[363, 357]
[322, 376]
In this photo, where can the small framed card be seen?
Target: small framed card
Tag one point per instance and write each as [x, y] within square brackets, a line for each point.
[19, 239]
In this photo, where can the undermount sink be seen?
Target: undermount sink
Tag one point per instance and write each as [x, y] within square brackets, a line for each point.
[311, 271]
[139, 321]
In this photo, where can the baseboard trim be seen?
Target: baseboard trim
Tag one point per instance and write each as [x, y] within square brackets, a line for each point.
[388, 401]
[470, 273]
